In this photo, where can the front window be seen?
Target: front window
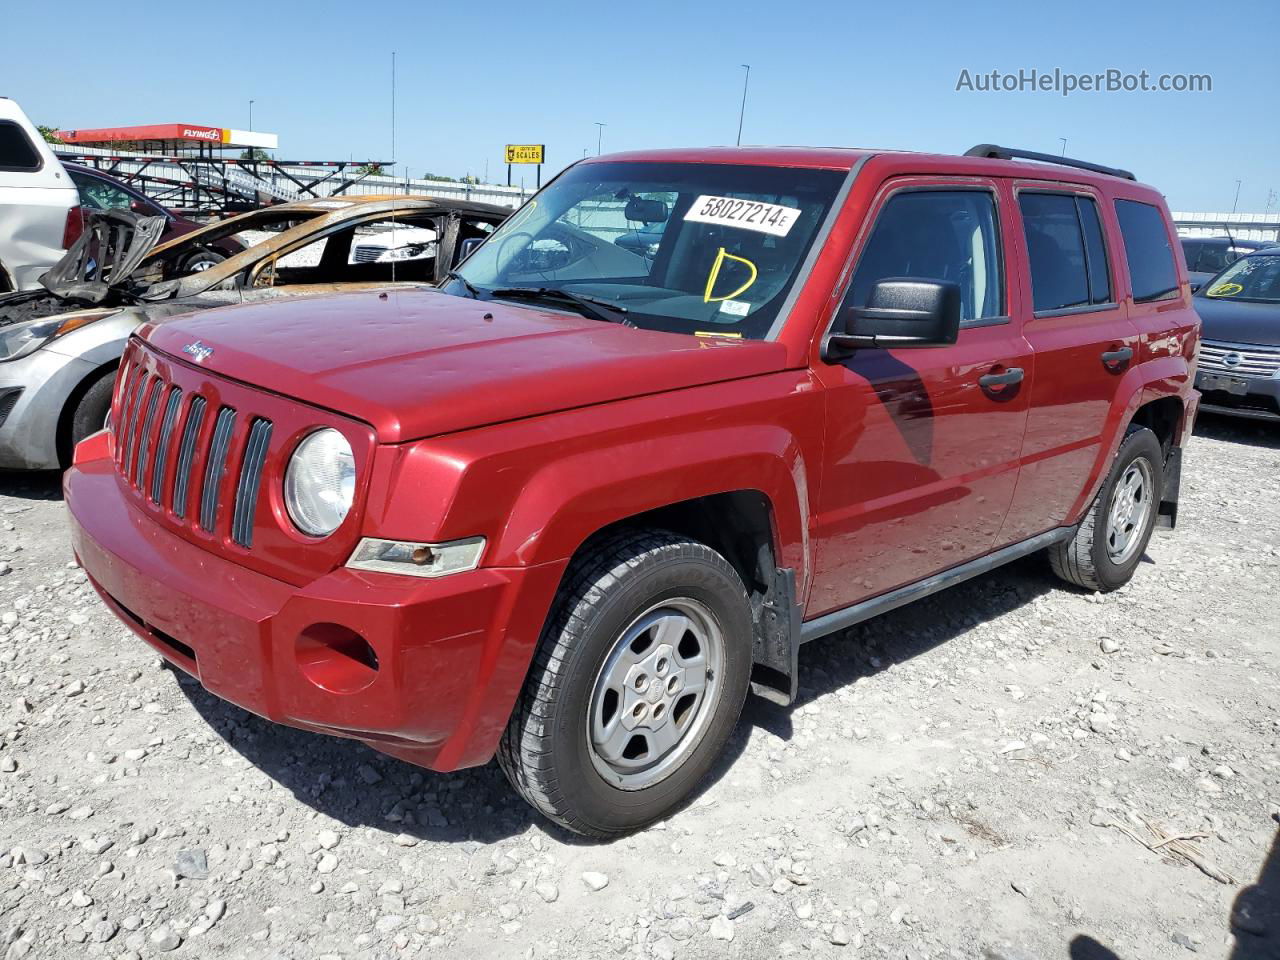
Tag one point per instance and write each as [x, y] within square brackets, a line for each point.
[682, 247]
[1255, 278]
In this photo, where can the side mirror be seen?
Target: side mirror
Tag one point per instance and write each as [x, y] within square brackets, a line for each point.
[901, 312]
[468, 247]
[1195, 285]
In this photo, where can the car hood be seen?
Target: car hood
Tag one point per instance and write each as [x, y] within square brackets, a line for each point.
[1238, 321]
[421, 363]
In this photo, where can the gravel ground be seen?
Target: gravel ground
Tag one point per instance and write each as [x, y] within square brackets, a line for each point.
[953, 784]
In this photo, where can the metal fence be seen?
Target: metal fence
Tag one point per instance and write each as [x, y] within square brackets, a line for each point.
[1241, 226]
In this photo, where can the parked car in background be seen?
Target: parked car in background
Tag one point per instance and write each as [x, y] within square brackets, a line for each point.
[1206, 256]
[99, 191]
[570, 507]
[1239, 369]
[59, 347]
[39, 208]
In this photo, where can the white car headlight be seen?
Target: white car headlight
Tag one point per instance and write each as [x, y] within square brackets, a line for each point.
[22, 339]
[320, 482]
[417, 559]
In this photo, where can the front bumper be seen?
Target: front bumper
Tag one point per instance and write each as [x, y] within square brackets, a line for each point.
[43, 383]
[451, 653]
[1261, 402]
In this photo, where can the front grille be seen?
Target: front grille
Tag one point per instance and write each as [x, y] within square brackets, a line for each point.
[367, 253]
[1239, 359]
[169, 452]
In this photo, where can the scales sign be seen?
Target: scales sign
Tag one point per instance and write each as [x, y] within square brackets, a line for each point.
[525, 152]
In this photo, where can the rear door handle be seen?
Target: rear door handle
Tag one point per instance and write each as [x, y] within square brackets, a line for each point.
[1008, 378]
[1113, 360]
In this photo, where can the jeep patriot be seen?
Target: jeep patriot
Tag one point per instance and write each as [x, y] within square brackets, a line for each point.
[683, 412]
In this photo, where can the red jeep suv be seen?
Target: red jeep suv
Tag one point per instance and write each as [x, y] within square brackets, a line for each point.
[569, 508]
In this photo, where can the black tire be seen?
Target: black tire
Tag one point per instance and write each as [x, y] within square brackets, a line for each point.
[1084, 559]
[544, 751]
[90, 414]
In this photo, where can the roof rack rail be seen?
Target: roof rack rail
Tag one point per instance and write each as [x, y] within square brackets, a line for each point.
[995, 152]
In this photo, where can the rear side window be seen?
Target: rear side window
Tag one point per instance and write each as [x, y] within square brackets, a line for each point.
[17, 152]
[1067, 251]
[937, 235]
[1147, 251]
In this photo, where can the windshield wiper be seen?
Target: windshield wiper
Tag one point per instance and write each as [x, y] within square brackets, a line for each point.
[471, 287]
[596, 308]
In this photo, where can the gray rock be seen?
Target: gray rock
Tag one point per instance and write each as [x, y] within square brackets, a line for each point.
[721, 929]
[164, 939]
[595, 881]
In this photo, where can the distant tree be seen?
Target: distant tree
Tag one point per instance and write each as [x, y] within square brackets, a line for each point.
[50, 134]
[254, 153]
[372, 170]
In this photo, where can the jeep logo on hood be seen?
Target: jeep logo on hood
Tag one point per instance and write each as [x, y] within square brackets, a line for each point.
[198, 350]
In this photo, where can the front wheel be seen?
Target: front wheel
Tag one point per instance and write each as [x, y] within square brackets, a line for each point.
[637, 684]
[1110, 541]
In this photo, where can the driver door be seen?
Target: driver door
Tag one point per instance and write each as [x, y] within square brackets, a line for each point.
[920, 459]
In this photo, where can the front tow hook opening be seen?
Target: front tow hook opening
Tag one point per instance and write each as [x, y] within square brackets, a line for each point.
[335, 658]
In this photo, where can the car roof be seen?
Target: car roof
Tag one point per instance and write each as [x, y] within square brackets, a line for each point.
[850, 158]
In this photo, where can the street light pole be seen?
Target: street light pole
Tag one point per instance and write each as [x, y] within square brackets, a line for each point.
[742, 112]
[1236, 201]
[599, 136]
[250, 116]
[1064, 146]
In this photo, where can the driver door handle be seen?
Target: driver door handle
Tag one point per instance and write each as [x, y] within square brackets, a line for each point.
[1008, 378]
[1113, 360]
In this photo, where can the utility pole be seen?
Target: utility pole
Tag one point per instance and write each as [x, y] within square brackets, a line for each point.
[1064, 146]
[250, 116]
[1236, 201]
[742, 112]
[599, 136]
[393, 107]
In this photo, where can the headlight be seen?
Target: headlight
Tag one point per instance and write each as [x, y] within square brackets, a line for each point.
[411, 252]
[417, 559]
[320, 482]
[21, 339]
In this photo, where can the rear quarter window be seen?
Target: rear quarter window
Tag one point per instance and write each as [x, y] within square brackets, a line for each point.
[17, 152]
[1147, 251]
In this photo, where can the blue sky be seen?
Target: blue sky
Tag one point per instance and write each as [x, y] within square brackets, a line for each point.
[474, 76]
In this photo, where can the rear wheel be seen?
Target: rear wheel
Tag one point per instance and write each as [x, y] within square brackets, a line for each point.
[1110, 541]
[639, 678]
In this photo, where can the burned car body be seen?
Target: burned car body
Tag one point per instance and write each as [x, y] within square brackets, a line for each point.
[59, 346]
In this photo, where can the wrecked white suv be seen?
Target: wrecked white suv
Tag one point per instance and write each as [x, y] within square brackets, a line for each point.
[39, 205]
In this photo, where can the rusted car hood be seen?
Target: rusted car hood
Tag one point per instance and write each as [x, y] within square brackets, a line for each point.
[422, 363]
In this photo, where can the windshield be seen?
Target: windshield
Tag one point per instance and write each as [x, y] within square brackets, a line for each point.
[1252, 278]
[709, 249]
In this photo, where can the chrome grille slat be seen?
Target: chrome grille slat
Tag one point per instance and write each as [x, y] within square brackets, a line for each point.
[1251, 360]
[255, 455]
[130, 438]
[186, 453]
[162, 450]
[153, 400]
[215, 467]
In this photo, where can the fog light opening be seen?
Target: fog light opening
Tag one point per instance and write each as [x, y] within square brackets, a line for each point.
[336, 658]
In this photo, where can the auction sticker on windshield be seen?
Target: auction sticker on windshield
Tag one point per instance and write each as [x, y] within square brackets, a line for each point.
[744, 214]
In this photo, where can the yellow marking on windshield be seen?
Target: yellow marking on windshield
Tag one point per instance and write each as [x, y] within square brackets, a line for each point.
[717, 333]
[1226, 290]
[714, 275]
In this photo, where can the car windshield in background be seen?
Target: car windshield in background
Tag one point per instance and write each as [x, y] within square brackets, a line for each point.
[1254, 278]
[682, 247]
